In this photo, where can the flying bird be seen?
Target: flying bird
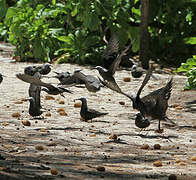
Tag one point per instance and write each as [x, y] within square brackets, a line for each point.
[49, 88]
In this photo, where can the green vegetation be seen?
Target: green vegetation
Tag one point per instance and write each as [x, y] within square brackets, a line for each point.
[73, 30]
[190, 68]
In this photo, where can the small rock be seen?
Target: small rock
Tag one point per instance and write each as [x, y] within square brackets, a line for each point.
[157, 163]
[100, 168]
[5, 123]
[61, 101]
[43, 130]
[182, 163]
[18, 102]
[54, 171]
[60, 109]
[122, 103]
[26, 123]
[63, 113]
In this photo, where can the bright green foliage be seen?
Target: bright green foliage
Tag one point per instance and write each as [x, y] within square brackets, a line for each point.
[190, 68]
[73, 30]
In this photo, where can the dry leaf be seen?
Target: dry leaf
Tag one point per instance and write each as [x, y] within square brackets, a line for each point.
[145, 146]
[5, 123]
[26, 122]
[126, 79]
[157, 163]
[179, 107]
[43, 130]
[52, 144]
[178, 160]
[16, 114]
[48, 114]
[113, 136]
[182, 163]
[78, 104]
[157, 146]
[63, 113]
[61, 101]
[47, 97]
[39, 147]
[92, 135]
[193, 158]
[18, 102]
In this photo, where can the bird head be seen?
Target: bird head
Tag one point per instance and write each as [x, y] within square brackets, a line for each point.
[31, 99]
[133, 68]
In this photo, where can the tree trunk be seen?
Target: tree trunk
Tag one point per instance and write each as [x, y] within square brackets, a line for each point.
[144, 35]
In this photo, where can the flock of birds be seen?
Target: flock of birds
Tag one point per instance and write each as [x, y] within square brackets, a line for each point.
[151, 106]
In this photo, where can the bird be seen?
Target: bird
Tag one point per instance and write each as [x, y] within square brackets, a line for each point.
[137, 72]
[1, 78]
[35, 91]
[91, 83]
[34, 109]
[67, 78]
[49, 88]
[155, 104]
[141, 122]
[87, 113]
[108, 75]
[43, 69]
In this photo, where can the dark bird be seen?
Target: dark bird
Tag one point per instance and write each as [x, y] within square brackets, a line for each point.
[137, 72]
[141, 122]
[43, 69]
[1, 78]
[87, 113]
[49, 88]
[91, 83]
[67, 78]
[34, 109]
[155, 104]
[35, 91]
[107, 75]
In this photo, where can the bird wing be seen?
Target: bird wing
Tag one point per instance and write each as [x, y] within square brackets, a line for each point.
[116, 62]
[33, 80]
[112, 46]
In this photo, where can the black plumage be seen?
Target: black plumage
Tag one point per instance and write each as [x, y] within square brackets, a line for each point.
[34, 109]
[87, 113]
[141, 122]
[67, 78]
[49, 88]
[1, 78]
[43, 69]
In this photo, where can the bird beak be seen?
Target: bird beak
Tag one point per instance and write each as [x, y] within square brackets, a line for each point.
[76, 100]
[3, 76]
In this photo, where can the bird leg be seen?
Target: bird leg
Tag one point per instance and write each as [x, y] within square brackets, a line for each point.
[62, 95]
[159, 125]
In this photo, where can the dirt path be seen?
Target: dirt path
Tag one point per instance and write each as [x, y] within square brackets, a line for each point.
[76, 148]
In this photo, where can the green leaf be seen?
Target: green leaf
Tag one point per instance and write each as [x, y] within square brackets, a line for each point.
[190, 40]
[191, 61]
[53, 2]
[3, 8]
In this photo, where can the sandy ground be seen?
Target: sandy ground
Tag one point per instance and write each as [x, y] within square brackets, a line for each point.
[76, 148]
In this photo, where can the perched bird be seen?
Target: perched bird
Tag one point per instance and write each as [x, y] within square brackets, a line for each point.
[67, 78]
[92, 83]
[43, 69]
[35, 91]
[1, 78]
[87, 113]
[137, 72]
[49, 88]
[34, 109]
[141, 122]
